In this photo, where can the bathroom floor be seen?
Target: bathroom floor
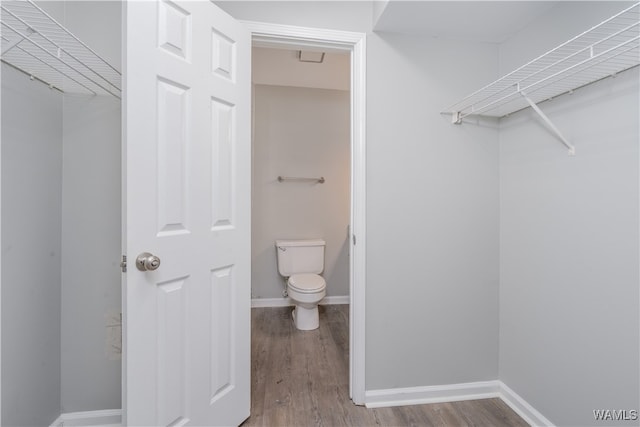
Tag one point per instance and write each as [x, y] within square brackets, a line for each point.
[301, 378]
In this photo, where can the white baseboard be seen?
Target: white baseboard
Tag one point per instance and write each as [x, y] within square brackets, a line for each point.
[456, 392]
[336, 300]
[373, 399]
[522, 407]
[286, 302]
[105, 418]
[431, 394]
[270, 302]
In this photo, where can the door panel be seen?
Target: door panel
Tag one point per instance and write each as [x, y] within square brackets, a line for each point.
[173, 100]
[222, 120]
[187, 145]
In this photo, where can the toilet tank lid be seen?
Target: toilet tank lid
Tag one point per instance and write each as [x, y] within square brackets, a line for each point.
[300, 242]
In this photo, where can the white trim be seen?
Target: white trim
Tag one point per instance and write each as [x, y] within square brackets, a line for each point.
[270, 302]
[104, 418]
[286, 302]
[0, 266]
[522, 407]
[432, 394]
[271, 35]
[276, 35]
[336, 300]
[454, 393]
[358, 223]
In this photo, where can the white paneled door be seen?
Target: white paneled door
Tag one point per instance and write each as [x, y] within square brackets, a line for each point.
[187, 201]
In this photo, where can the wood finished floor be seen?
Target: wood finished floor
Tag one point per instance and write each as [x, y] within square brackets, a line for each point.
[301, 378]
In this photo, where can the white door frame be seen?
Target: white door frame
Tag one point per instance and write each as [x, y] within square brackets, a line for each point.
[270, 35]
[0, 261]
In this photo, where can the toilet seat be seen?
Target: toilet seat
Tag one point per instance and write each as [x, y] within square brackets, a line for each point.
[307, 283]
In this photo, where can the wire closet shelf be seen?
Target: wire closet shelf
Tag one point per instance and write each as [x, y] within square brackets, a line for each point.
[36, 44]
[608, 48]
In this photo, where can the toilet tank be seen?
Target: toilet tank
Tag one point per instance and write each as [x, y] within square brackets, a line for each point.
[300, 256]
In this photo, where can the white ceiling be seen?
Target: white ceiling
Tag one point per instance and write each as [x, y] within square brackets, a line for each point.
[483, 21]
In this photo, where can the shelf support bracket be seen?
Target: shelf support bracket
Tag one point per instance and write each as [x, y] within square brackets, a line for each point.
[572, 149]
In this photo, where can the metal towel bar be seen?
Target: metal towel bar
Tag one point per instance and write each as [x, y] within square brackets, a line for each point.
[294, 178]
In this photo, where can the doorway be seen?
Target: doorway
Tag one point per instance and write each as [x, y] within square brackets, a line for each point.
[297, 38]
[300, 165]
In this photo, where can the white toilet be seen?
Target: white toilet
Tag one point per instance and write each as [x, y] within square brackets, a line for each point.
[301, 262]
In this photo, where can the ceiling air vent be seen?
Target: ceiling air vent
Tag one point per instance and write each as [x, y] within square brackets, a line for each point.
[308, 56]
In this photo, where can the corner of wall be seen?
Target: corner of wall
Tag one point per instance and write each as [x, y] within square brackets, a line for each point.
[377, 10]
[521, 407]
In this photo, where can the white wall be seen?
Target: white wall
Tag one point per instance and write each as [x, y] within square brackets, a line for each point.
[561, 23]
[378, 10]
[569, 263]
[432, 267]
[300, 132]
[31, 250]
[98, 24]
[91, 239]
[432, 216]
[91, 324]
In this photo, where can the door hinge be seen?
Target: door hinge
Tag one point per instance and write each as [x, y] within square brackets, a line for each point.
[354, 239]
[123, 264]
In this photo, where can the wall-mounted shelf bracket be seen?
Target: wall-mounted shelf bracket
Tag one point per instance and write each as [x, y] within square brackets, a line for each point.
[572, 149]
[456, 119]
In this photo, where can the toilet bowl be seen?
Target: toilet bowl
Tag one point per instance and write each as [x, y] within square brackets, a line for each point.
[306, 291]
[301, 262]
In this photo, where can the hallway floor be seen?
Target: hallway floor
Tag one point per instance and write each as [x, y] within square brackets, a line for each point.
[301, 378]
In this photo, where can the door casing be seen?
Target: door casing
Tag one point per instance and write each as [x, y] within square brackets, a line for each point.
[293, 37]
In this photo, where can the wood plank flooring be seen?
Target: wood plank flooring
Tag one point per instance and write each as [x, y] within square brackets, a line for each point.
[301, 378]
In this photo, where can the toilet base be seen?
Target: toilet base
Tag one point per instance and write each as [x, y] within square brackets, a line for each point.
[306, 319]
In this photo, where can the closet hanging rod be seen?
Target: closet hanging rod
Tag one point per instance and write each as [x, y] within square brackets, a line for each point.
[51, 86]
[295, 178]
